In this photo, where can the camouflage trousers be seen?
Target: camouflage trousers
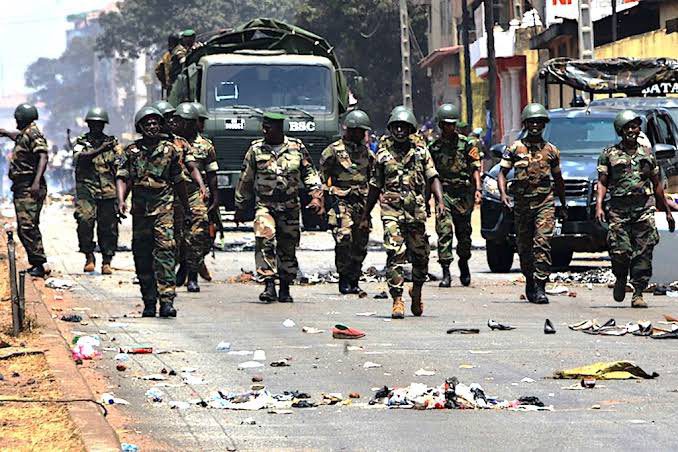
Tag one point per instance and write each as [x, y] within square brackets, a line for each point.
[351, 242]
[28, 223]
[153, 247]
[179, 218]
[457, 219]
[534, 229]
[197, 240]
[102, 213]
[403, 242]
[631, 238]
[277, 237]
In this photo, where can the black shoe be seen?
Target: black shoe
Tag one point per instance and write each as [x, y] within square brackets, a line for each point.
[269, 295]
[36, 271]
[619, 291]
[529, 289]
[344, 285]
[464, 272]
[285, 296]
[182, 273]
[193, 282]
[548, 327]
[149, 310]
[447, 278]
[167, 310]
[355, 288]
[540, 293]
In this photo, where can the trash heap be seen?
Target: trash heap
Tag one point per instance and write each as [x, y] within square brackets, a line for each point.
[594, 276]
[660, 330]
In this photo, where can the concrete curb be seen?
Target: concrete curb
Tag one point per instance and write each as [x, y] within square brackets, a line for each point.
[95, 431]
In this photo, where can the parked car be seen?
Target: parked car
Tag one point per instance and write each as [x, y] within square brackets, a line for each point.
[580, 134]
[641, 103]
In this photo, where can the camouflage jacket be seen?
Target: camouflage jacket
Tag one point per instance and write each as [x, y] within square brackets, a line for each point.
[275, 177]
[629, 173]
[402, 178]
[345, 169]
[533, 165]
[183, 148]
[455, 162]
[96, 175]
[151, 173]
[30, 143]
[202, 153]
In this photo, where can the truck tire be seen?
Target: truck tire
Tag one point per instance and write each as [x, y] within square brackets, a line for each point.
[560, 259]
[499, 256]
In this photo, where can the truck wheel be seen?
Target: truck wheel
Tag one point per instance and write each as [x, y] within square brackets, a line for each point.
[499, 256]
[560, 259]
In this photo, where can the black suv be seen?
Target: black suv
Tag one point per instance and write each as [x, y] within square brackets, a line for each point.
[580, 134]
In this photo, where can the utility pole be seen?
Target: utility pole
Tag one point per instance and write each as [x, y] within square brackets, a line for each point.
[585, 30]
[468, 88]
[492, 68]
[405, 53]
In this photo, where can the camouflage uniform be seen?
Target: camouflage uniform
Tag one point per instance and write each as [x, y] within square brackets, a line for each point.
[183, 148]
[455, 163]
[275, 176]
[198, 241]
[152, 173]
[30, 143]
[402, 177]
[96, 196]
[345, 171]
[632, 232]
[177, 59]
[534, 212]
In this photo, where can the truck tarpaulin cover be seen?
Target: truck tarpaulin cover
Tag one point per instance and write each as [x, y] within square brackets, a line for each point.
[611, 75]
[270, 34]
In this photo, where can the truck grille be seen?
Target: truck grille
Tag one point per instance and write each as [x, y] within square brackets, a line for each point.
[576, 188]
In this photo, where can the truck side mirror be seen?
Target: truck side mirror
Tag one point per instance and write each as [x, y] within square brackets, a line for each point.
[498, 150]
[664, 151]
[359, 86]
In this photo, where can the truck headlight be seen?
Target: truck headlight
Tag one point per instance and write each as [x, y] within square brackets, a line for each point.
[490, 187]
[223, 180]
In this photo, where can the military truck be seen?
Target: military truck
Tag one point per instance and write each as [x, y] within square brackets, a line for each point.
[264, 65]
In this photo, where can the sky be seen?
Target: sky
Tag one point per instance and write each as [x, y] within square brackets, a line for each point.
[32, 29]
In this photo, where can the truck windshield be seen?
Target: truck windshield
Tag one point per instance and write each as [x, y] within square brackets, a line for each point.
[581, 135]
[263, 86]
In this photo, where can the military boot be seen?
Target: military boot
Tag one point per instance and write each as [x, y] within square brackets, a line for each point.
[37, 271]
[167, 309]
[204, 273]
[447, 278]
[284, 296]
[90, 262]
[193, 282]
[355, 287]
[637, 301]
[149, 309]
[398, 309]
[106, 266]
[464, 272]
[540, 292]
[417, 306]
[619, 291]
[182, 273]
[344, 285]
[269, 294]
[529, 289]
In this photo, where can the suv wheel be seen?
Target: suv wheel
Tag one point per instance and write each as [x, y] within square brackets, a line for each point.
[560, 259]
[499, 256]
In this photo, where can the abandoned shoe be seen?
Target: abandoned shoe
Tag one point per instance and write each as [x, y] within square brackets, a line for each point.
[284, 295]
[447, 278]
[269, 294]
[398, 309]
[464, 272]
[167, 310]
[549, 328]
[344, 332]
[637, 301]
[204, 273]
[90, 262]
[417, 306]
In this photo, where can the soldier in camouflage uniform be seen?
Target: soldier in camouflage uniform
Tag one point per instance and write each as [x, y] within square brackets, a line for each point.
[403, 169]
[26, 171]
[458, 164]
[534, 162]
[345, 169]
[94, 155]
[628, 173]
[273, 170]
[150, 167]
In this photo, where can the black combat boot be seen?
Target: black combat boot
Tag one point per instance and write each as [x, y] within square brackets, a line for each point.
[447, 278]
[620, 270]
[285, 296]
[529, 288]
[269, 294]
[540, 292]
[344, 285]
[167, 309]
[355, 287]
[149, 309]
[193, 282]
[464, 272]
[181, 274]
[37, 271]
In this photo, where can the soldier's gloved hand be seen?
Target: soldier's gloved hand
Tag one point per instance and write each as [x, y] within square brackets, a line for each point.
[563, 215]
[670, 221]
[316, 205]
[239, 216]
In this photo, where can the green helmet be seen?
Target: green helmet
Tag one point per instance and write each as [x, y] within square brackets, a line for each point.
[402, 114]
[143, 113]
[163, 107]
[202, 111]
[186, 110]
[534, 111]
[25, 113]
[623, 118]
[357, 119]
[97, 114]
[448, 113]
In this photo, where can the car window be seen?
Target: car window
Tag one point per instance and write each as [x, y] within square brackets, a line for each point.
[585, 134]
[665, 128]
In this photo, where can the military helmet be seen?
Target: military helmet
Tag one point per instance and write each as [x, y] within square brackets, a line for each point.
[25, 113]
[448, 113]
[534, 111]
[623, 118]
[163, 107]
[357, 119]
[97, 114]
[402, 114]
[202, 111]
[145, 112]
[186, 110]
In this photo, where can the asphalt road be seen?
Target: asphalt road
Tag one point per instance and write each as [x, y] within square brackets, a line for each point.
[632, 414]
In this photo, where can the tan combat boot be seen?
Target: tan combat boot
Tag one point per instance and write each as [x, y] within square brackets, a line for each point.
[398, 310]
[417, 305]
[89, 263]
[106, 267]
[637, 301]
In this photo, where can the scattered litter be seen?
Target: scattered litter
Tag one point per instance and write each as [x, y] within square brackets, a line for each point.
[248, 421]
[74, 318]
[527, 380]
[179, 405]
[371, 365]
[616, 370]
[240, 352]
[467, 366]
[331, 399]
[557, 290]
[85, 348]
[127, 447]
[494, 325]
[243, 277]
[121, 357]
[154, 377]
[259, 355]
[257, 379]
[192, 380]
[463, 331]
[318, 278]
[381, 296]
[366, 314]
[311, 330]
[637, 421]
[289, 323]
[57, 283]
[642, 328]
[108, 398]
[595, 276]
[155, 395]
[137, 350]
[120, 367]
[595, 407]
[354, 395]
[223, 346]
[424, 373]
[588, 383]
[250, 365]
[354, 348]
[280, 363]
[344, 332]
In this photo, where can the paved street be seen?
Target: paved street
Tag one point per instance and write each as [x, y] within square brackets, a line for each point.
[632, 414]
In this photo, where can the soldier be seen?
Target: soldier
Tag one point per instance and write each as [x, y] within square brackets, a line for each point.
[628, 173]
[202, 116]
[345, 169]
[402, 171]
[94, 155]
[151, 168]
[273, 170]
[534, 161]
[457, 161]
[26, 171]
[162, 69]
